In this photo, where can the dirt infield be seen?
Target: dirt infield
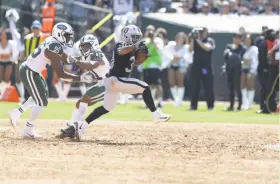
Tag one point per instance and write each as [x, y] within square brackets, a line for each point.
[137, 152]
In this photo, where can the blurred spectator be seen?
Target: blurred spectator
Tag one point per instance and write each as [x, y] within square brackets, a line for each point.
[146, 6]
[248, 74]
[13, 16]
[262, 36]
[268, 9]
[162, 33]
[268, 71]
[225, 9]
[243, 32]
[273, 60]
[152, 66]
[244, 8]
[179, 58]
[255, 7]
[212, 7]
[263, 74]
[201, 70]
[233, 56]
[8, 55]
[149, 28]
[275, 4]
[233, 7]
[205, 8]
[121, 7]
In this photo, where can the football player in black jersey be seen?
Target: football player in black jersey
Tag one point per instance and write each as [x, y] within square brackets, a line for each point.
[118, 81]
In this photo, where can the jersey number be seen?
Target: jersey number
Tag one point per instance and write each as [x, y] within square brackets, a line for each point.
[132, 59]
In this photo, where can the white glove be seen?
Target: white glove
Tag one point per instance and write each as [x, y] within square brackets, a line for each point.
[87, 78]
[12, 15]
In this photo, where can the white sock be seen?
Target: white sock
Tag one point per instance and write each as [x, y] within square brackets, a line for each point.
[244, 98]
[159, 99]
[66, 89]
[83, 88]
[76, 115]
[251, 95]
[36, 111]
[174, 93]
[26, 105]
[181, 93]
[59, 90]
[123, 98]
[83, 108]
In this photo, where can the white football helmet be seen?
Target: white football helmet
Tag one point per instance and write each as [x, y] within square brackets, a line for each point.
[131, 34]
[88, 44]
[63, 33]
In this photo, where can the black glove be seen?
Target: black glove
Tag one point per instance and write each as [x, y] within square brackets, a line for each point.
[143, 47]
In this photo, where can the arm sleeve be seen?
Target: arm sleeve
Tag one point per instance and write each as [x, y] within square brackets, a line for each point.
[15, 34]
[254, 60]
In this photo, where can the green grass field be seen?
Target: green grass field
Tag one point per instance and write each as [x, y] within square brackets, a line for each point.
[135, 112]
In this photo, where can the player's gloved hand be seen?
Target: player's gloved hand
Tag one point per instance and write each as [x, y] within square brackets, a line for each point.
[143, 47]
[140, 44]
[87, 78]
[12, 15]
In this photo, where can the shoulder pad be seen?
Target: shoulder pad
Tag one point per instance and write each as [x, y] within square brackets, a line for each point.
[56, 48]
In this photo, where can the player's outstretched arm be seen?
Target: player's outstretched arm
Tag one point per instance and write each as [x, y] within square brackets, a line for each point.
[55, 59]
[95, 61]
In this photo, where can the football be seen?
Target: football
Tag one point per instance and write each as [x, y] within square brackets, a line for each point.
[141, 57]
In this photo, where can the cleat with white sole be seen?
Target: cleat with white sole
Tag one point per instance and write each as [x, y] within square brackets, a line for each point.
[29, 133]
[80, 129]
[14, 116]
[160, 117]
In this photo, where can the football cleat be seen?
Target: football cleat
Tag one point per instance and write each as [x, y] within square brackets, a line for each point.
[160, 117]
[80, 129]
[29, 133]
[14, 116]
[68, 132]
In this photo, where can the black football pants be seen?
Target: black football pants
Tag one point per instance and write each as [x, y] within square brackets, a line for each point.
[197, 77]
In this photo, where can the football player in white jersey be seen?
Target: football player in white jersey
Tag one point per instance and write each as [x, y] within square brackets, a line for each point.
[50, 52]
[93, 60]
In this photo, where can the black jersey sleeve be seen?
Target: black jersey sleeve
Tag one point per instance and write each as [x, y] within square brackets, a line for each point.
[56, 48]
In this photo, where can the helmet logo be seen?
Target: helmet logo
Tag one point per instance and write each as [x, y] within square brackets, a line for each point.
[61, 26]
[125, 30]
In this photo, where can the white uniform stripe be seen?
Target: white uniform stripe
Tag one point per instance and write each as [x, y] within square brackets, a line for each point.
[134, 80]
[102, 94]
[32, 90]
[36, 91]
